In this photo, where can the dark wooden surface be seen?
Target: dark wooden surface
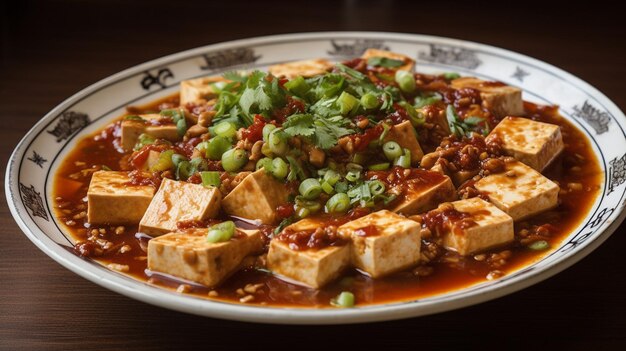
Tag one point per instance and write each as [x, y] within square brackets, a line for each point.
[51, 50]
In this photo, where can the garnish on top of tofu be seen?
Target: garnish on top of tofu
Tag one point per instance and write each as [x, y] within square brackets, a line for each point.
[298, 183]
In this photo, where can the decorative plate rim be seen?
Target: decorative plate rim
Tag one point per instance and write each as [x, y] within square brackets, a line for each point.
[396, 310]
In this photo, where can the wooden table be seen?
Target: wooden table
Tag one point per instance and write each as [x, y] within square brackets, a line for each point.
[50, 51]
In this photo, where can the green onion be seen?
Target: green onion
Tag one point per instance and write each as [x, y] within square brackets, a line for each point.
[331, 177]
[164, 162]
[328, 189]
[310, 188]
[199, 164]
[278, 142]
[406, 81]
[183, 170]
[134, 118]
[379, 166]
[347, 103]
[298, 86]
[265, 150]
[384, 62]
[181, 127]
[343, 300]
[359, 158]
[265, 163]
[353, 176]
[234, 159]
[302, 212]
[216, 147]
[376, 187]
[211, 178]
[451, 75]
[539, 245]
[280, 168]
[404, 161]
[392, 150]
[221, 232]
[312, 206]
[225, 129]
[143, 140]
[369, 101]
[338, 203]
[341, 187]
[267, 129]
[177, 158]
[421, 101]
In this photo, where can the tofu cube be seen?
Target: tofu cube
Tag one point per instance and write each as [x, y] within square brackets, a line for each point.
[188, 255]
[111, 199]
[409, 63]
[520, 191]
[256, 198]
[179, 201]
[305, 68]
[536, 144]
[383, 242]
[502, 100]
[404, 135]
[132, 129]
[199, 90]
[484, 226]
[424, 192]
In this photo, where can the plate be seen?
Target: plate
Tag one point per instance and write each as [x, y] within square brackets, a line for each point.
[39, 154]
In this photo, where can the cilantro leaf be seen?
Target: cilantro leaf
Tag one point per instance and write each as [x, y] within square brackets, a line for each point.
[299, 124]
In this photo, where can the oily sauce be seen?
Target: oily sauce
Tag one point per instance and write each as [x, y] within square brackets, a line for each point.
[576, 170]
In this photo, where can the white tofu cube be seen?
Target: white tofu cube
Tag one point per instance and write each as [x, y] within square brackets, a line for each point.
[177, 202]
[409, 63]
[111, 199]
[188, 255]
[404, 135]
[536, 144]
[424, 192]
[383, 242]
[305, 68]
[199, 90]
[520, 191]
[154, 125]
[475, 226]
[256, 198]
[502, 100]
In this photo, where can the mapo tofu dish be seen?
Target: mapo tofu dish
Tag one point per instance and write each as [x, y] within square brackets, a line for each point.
[321, 184]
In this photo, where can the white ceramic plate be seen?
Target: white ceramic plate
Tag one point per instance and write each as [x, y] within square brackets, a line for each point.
[37, 157]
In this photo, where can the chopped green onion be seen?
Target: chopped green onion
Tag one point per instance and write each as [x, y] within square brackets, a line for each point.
[328, 189]
[199, 164]
[302, 212]
[343, 300]
[312, 206]
[181, 127]
[310, 188]
[211, 178]
[267, 129]
[421, 101]
[451, 75]
[280, 168]
[177, 158]
[341, 187]
[331, 177]
[143, 140]
[106, 168]
[277, 141]
[359, 158]
[164, 162]
[353, 176]
[379, 166]
[221, 232]
[265, 150]
[338, 203]
[225, 129]
[406, 81]
[404, 161]
[347, 103]
[539, 245]
[234, 159]
[298, 86]
[384, 62]
[392, 150]
[376, 187]
[369, 101]
[134, 118]
[183, 170]
[216, 147]
[265, 163]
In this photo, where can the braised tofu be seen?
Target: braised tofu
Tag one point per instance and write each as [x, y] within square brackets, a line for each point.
[155, 125]
[404, 135]
[409, 63]
[177, 202]
[305, 68]
[502, 100]
[188, 255]
[479, 226]
[111, 199]
[520, 191]
[199, 90]
[536, 144]
[383, 242]
[256, 198]
[424, 192]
